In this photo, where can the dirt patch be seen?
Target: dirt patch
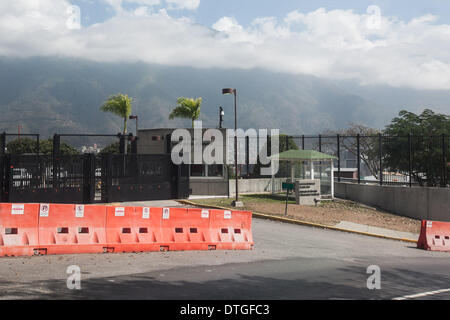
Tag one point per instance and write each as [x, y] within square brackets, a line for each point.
[328, 213]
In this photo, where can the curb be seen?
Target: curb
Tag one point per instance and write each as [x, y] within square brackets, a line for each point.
[302, 223]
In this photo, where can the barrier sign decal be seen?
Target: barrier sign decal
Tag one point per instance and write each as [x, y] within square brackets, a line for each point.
[146, 213]
[205, 214]
[166, 213]
[44, 209]
[120, 212]
[17, 209]
[79, 211]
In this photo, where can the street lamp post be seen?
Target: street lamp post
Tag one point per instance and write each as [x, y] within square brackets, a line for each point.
[225, 91]
[221, 114]
[136, 118]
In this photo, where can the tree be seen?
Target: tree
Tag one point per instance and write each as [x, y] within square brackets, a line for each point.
[46, 148]
[187, 108]
[113, 148]
[369, 150]
[427, 123]
[27, 145]
[427, 130]
[21, 146]
[291, 145]
[119, 105]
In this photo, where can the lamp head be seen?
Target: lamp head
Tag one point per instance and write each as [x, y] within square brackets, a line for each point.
[228, 91]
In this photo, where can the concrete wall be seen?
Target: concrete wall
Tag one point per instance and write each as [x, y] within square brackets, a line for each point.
[204, 187]
[418, 203]
[219, 187]
[256, 185]
[146, 144]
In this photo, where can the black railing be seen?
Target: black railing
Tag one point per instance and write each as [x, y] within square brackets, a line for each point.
[410, 160]
[91, 178]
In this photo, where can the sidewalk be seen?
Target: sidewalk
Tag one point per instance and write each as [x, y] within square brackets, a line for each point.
[378, 231]
[153, 203]
[191, 197]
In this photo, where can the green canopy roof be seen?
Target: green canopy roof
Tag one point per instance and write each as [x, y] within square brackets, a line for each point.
[304, 155]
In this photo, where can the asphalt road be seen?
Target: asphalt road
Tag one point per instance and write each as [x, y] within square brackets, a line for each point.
[288, 262]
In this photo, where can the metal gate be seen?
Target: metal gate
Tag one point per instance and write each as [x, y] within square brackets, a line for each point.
[91, 179]
[31, 178]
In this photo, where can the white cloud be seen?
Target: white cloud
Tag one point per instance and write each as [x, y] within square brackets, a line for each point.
[336, 44]
[183, 4]
[117, 5]
[145, 2]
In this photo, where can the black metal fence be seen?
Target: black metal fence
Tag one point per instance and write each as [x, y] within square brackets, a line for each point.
[91, 178]
[386, 160]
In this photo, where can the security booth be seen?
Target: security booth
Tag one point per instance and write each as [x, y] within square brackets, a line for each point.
[312, 173]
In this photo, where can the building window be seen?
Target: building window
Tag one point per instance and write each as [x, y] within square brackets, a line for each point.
[215, 170]
[198, 170]
[212, 170]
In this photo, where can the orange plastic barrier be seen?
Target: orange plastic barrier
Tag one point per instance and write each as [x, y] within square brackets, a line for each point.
[231, 230]
[69, 228]
[18, 229]
[185, 229]
[133, 229]
[27, 229]
[434, 236]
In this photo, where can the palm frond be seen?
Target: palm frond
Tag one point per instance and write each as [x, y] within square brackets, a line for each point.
[119, 105]
[187, 108]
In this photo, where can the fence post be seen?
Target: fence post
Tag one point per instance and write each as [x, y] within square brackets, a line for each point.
[7, 183]
[56, 144]
[444, 162]
[303, 142]
[380, 146]
[38, 142]
[122, 144]
[134, 141]
[358, 157]
[320, 143]
[2, 175]
[3, 144]
[339, 156]
[55, 157]
[410, 158]
[168, 143]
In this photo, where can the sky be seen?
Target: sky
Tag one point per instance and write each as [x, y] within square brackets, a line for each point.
[209, 11]
[396, 43]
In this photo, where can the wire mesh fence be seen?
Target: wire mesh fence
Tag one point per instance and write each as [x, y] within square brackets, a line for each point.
[410, 160]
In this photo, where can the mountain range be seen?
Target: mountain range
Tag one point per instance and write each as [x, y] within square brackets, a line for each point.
[62, 95]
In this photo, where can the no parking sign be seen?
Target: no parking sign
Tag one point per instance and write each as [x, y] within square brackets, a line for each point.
[44, 210]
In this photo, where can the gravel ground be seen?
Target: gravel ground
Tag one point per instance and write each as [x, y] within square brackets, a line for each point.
[327, 213]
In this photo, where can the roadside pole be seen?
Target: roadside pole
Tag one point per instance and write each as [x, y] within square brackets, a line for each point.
[288, 186]
[287, 197]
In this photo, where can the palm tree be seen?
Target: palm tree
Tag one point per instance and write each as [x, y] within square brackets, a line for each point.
[187, 108]
[119, 104]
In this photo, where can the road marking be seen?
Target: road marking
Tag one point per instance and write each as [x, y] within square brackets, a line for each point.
[420, 295]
